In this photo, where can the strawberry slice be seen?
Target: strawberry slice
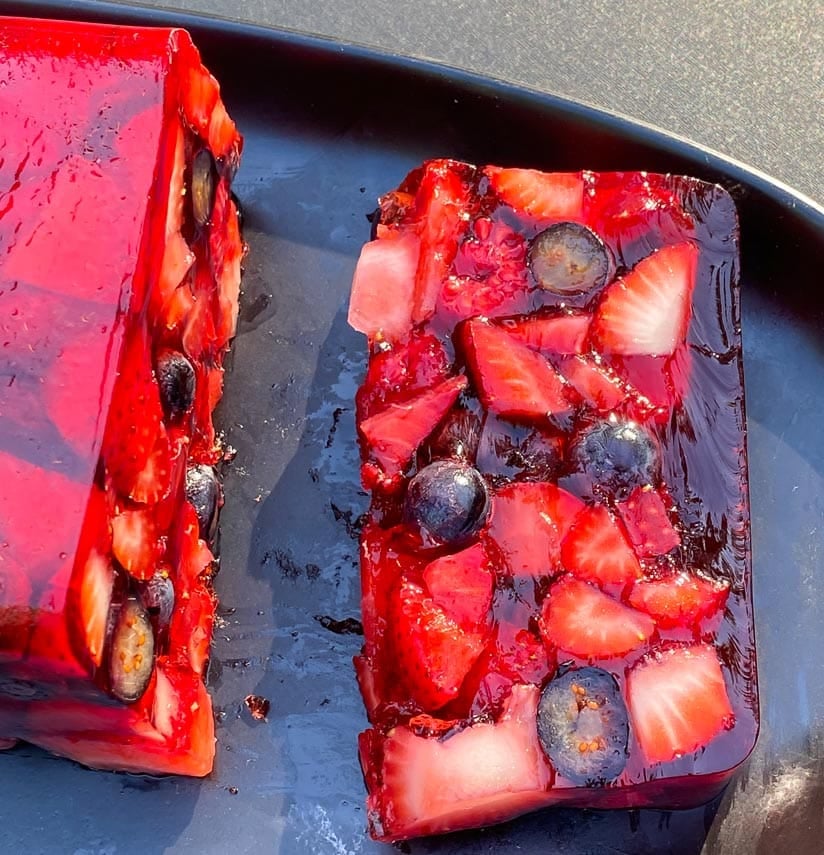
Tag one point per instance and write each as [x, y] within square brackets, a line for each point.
[433, 652]
[564, 335]
[199, 93]
[647, 312]
[383, 287]
[222, 134]
[584, 621]
[478, 776]
[96, 586]
[442, 201]
[135, 543]
[543, 195]
[563, 508]
[524, 528]
[461, 584]
[682, 599]
[393, 435]
[596, 549]
[678, 701]
[636, 210]
[513, 381]
[598, 387]
[190, 630]
[400, 371]
[152, 483]
[647, 524]
[135, 416]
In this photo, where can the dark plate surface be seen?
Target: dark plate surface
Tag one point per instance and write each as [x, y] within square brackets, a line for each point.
[328, 128]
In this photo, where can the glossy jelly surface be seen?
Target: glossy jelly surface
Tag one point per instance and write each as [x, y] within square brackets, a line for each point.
[573, 340]
[117, 302]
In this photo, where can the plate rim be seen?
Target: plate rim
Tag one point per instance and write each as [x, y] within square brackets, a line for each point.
[434, 71]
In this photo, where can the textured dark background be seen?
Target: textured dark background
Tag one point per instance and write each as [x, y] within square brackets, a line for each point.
[743, 77]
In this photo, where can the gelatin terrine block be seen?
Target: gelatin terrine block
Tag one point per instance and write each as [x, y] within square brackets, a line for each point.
[556, 580]
[119, 281]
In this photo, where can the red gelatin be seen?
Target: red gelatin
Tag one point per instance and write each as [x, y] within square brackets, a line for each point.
[578, 629]
[118, 298]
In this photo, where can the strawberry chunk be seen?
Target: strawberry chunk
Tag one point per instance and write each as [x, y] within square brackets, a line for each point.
[461, 584]
[135, 416]
[397, 372]
[190, 631]
[563, 508]
[136, 543]
[582, 620]
[433, 652]
[523, 526]
[393, 435]
[442, 201]
[542, 195]
[152, 483]
[480, 775]
[647, 311]
[596, 549]
[598, 387]
[96, 586]
[512, 380]
[647, 524]
[681, 599]
[383, 287]
[562, 335]
[678, 701]
[637, 211]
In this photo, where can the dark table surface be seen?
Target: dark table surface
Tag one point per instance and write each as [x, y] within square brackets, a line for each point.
[743, 78]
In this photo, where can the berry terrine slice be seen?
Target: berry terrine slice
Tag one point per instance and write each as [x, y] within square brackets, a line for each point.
[556, 580]
[119, 280]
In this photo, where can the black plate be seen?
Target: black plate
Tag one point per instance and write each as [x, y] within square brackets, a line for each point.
[328, 128]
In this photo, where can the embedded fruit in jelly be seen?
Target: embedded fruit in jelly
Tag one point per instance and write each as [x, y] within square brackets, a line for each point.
[158, 598]
[204, 494]
[448, 500]
[569, 258]
[204, 186]
[572, 624]
[118, 298]
[176, 380]
[131, 658]
[616, 456]
[583, 725]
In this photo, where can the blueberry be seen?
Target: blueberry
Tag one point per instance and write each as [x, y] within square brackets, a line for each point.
[583, 726]
[617, 456]
[204, 493]
[176, 379]
[569, 258]
[158, 598]
[204, 185]
[456, 438]
[448, 500]
[131, 655]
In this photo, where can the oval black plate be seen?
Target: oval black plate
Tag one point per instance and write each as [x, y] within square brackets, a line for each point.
[328, 128]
